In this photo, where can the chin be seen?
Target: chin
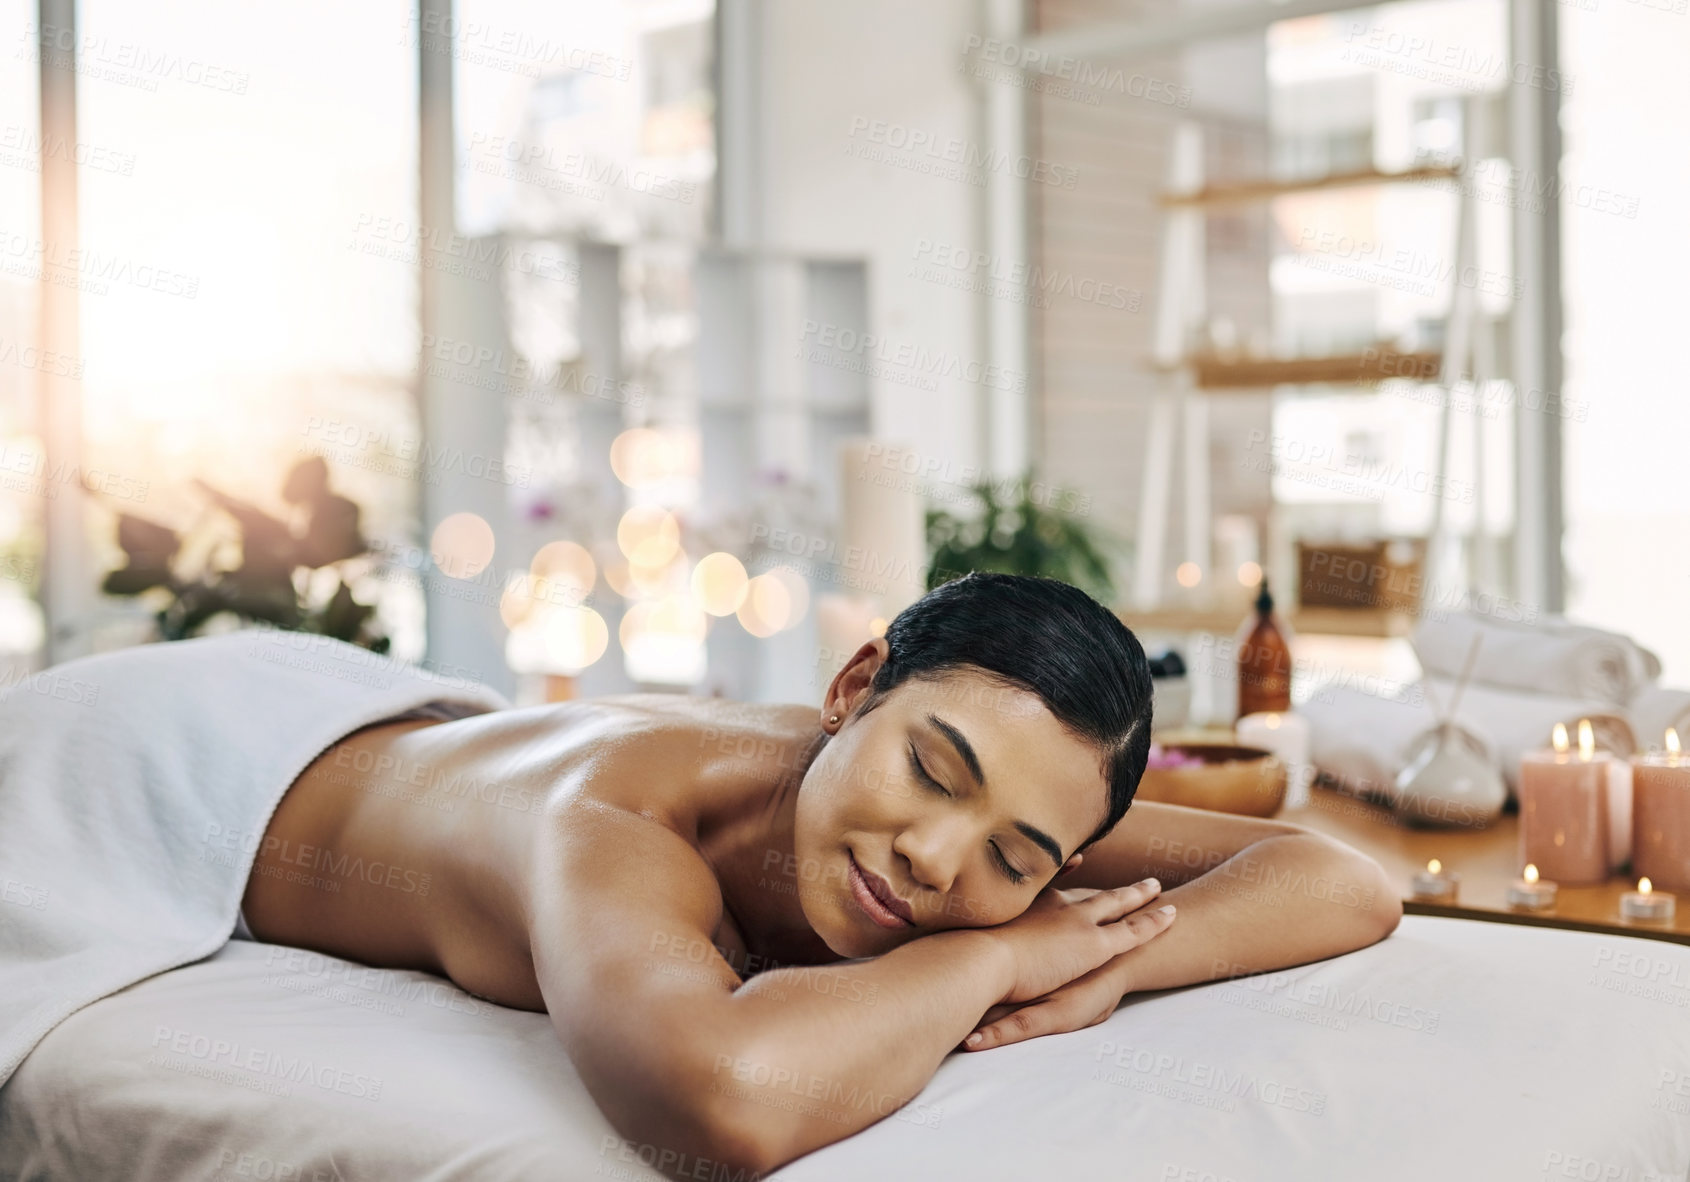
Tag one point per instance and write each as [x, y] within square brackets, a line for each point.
[854, 944]
[845, 944]
[849, 933]
[831, 919]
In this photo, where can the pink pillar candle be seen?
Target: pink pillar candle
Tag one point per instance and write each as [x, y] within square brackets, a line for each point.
[1564, 817]
[1620, 809]
[1660, 842]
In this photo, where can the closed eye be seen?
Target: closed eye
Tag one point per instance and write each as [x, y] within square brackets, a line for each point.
[1013, 874]
[1002, 862]
[921, 772]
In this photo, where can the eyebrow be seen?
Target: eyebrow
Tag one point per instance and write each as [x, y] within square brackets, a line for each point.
[965, 751]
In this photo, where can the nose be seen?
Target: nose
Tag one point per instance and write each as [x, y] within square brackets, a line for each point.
[935, 847]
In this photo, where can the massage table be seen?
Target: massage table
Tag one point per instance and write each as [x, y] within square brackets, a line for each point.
[1455, 1049]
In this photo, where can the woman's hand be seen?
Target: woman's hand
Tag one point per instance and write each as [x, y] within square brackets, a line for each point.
[1076, 1005]
[1064, 935]
[1055, 949]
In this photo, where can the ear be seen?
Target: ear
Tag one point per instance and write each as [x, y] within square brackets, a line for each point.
[1072, 864]
[851, 684]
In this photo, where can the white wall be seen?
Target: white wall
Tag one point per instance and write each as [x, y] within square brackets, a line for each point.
[830, 71]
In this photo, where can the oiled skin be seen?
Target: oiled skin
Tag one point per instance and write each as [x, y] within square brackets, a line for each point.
[428, 812]
[656, 871]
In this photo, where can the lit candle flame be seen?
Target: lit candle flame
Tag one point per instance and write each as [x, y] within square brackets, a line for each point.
[1434, 866]
[1531, 873]
[1559, 738]
[1644, 886]
[1587, 739]
[1672, 740]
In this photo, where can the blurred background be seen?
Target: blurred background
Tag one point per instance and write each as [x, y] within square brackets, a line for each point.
[676, 345]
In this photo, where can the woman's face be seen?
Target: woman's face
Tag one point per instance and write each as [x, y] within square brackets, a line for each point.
[895, 806]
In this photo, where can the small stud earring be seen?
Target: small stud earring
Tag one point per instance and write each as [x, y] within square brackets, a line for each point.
[833, 718]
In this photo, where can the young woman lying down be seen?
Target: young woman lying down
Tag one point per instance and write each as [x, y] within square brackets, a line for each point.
[713, 899]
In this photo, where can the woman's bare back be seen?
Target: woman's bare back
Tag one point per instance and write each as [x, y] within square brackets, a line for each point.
[410, 844]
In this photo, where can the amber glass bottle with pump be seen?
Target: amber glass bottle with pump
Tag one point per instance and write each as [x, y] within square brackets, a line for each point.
[1264, 661]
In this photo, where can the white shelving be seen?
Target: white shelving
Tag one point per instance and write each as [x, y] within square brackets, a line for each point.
[1178, 434]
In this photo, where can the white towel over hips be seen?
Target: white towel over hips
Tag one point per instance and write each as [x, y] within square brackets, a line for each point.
[123, 777]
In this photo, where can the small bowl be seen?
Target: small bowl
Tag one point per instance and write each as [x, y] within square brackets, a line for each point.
[1230, 779]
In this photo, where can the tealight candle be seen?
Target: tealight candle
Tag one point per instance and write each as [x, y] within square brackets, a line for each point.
[1647, 903]
[1435, 884]
[1526, 891]
[1660, 835]
[1286, 735]
[1564, 809]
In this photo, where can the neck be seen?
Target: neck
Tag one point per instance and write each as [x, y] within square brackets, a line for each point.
[754, 851]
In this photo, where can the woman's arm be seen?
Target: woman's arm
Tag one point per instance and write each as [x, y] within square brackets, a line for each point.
[689, 1063]
[1282, 901]
[1253, 896]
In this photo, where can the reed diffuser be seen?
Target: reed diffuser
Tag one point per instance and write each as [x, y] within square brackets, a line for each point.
[1451, 779]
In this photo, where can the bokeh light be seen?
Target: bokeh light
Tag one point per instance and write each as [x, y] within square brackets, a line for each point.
[648, 535]
[462, 545]
[618, 573]
[670, 578]
[562, 574]
[797, 594]
[568, 564]
[645, 456]
[663, 640]
[767, 607]
[719, 583]
[560, 640]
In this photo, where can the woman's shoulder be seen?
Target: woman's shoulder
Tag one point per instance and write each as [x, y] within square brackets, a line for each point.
[701, 712]
[651, 732]
[670, 757]
[644, 751]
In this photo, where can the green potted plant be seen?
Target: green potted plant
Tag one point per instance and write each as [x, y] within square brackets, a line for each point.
[1026, 529]
[275, 559]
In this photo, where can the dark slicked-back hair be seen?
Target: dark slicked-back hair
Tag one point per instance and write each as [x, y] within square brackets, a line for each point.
[1041, 635]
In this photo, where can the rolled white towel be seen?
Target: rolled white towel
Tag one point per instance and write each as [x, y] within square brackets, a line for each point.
[1550, 656]
[1363, 739]
[1655, 709]
[1366, 740]
[1513, 723]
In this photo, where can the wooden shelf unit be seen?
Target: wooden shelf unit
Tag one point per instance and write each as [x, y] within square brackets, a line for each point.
[1210, 372]
[1247, 192]
[1178, 427]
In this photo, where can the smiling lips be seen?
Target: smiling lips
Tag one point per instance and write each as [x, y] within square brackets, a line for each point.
[876, 897]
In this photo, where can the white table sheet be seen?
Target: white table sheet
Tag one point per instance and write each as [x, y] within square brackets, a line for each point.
[1453, 1050]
